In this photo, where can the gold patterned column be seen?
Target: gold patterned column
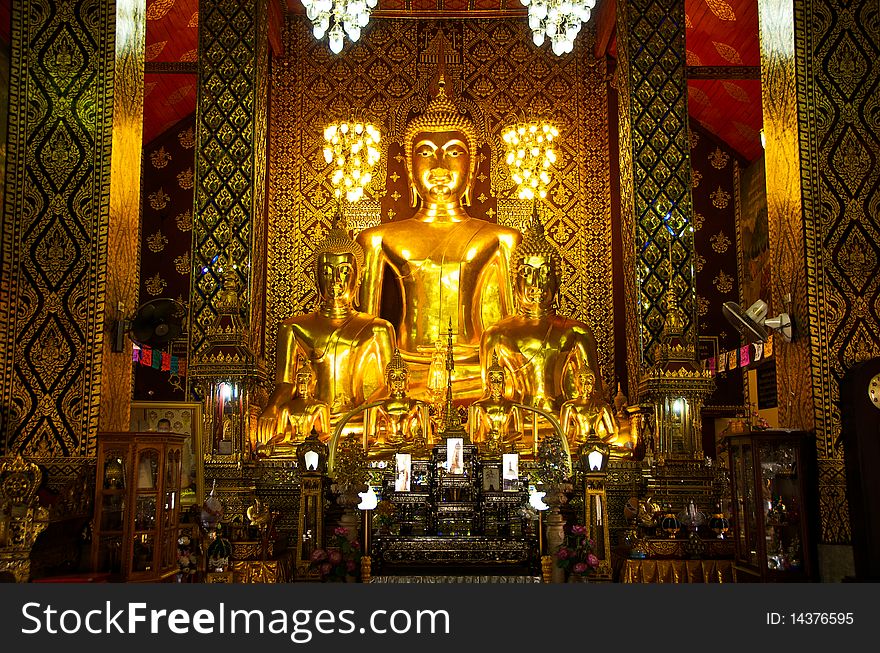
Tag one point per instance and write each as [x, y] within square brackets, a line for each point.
[656, 206]
[55, 226]
[123, 236]
[230, 162]
[820, 68]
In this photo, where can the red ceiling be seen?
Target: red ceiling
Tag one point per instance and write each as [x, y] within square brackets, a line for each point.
[719, 33]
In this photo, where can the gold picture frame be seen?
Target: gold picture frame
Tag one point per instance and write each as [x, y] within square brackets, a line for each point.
[185, 417]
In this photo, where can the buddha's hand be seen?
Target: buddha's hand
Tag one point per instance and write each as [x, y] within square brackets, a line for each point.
[269, 423]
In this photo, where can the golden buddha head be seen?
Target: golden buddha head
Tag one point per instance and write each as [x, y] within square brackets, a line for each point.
[584, 381]
[305, 378]
[397, 374]
[535, 265]
[440, 145]
[339, 261]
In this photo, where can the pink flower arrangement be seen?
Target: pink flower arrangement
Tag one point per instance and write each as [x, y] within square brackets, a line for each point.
[340, 559]
[575, 555]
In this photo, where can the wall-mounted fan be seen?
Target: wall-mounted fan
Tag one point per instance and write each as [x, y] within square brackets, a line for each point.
[158, 322]
[753, 322]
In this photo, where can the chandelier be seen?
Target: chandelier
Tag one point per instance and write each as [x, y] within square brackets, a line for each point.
[530, 155]
[351, 149]
[560, 20]
[347, 17]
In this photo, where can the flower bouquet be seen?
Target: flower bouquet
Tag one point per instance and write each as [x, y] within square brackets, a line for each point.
[339, 560]
[187, 559]
[575, 554]
[384, 516]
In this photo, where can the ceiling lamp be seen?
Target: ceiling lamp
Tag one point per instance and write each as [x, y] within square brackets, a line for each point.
[351, 149]
[530, 156]
[560, 20]
[336, 18]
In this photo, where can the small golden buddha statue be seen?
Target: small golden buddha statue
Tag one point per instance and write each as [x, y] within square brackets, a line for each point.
[495, 421]
[346, 348]
[536, 345]
[448, 265]
[587, 413]
[304, 412]
[396, 420]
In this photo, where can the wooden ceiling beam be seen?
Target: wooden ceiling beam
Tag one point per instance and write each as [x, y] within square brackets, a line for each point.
[276, 27]
[606, 22]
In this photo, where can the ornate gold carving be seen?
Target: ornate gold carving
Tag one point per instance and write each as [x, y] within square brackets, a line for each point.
[723, 282]
[154, 50]
[182, 263]
[696, 176]
[702, 306]
[155, 284]
[158, 200]
[160, 158]
[158, 9]
[157, 241]
[719, 158]
[720, 198]
[699, 262]
[693, 139]
[721, 9]
[185, 179]
[720, 242]
[698, 221]
[184, 221]
[187, 139]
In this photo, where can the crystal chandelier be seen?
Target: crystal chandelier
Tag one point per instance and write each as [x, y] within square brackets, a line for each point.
[530, 155]
[560, 20]
[351, 149]
[346, 16]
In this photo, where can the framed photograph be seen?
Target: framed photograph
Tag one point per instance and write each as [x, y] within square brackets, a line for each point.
[177, 417]
[455, 456]
[510, 471]
[491, 479]
[402, 472]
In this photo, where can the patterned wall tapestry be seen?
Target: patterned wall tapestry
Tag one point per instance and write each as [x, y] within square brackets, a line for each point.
[166, 238]
[499, 76]
[715, 175]
[55, 226]
[837, 48]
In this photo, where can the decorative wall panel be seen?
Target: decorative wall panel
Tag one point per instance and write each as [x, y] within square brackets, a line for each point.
[230, 165]
[55, 226]
[498, 76]
[653, 101]
[837, 68]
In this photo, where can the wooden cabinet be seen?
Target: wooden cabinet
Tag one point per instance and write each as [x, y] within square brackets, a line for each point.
[773, 489]
[137, 505]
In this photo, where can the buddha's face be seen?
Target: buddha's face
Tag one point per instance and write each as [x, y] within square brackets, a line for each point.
[336, 277]
[496, 382]
[304, 383]
[535, 283]
[397, 379]
[441, 165]
[585, 380]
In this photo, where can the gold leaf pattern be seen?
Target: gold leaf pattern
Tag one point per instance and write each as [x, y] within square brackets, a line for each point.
[736, 92]
[155, 285]
[190, 55]
[699, 219]
[687, 22]
[179, 94]
[148, 87]
[157, 241]
[694, 138]
[719, 158]
[181, 263]
[699, 262]
[723, 282]
[728, 53]
[702, 306]
[692, 59]
[721, 9]
[159, 200]
[184, 221]
[720, 242]
[194, 20]
[154, 50]
[696, 176]
[187, 139]
[185, 179]
[698, 95]
[720, 198]
[160, 158]
[158, 9]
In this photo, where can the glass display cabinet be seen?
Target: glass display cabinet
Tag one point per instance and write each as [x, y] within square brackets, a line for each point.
[137, 505]
[773, 489]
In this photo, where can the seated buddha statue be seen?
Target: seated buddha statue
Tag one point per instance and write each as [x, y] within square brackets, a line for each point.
[446, 264]
[537, 346]
[344, 346]
[304, 412]
[495, 421]
[587, 413]
[397, 419]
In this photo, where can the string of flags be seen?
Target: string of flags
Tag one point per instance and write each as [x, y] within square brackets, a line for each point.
[727, 361]
[159, 360]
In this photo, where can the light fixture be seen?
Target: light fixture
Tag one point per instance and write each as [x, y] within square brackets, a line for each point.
[338, 18]
[594, 452]
[351, 150]
[536, 499]
[560, 20]
[369, 499]
[530, 155]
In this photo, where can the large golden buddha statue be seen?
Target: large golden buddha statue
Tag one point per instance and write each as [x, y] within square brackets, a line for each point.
[448, 265]
[347, 349]
[537, 346]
